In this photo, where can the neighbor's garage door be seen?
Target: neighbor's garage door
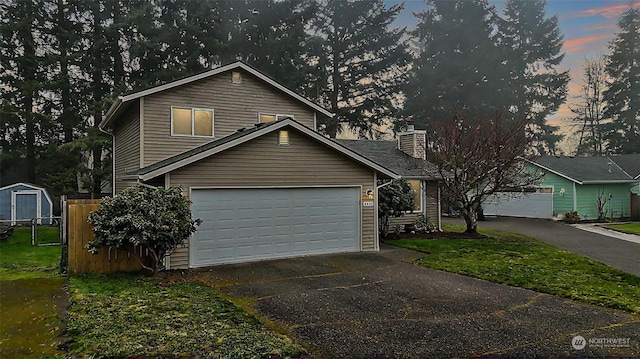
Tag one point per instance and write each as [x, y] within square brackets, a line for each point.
[530, 205]
[251, 224]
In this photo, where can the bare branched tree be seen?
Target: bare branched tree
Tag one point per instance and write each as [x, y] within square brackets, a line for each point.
[589, 111]
[477, 157]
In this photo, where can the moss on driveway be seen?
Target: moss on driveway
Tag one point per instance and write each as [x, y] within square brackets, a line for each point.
[123, 315]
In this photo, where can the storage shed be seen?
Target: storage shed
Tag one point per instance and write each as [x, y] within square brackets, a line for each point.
[21, 202]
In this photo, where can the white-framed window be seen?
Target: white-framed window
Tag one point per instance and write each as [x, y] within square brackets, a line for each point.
[192, 121]
[270, 117]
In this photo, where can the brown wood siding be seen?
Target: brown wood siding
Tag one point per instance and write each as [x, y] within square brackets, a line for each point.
[235, 106]
[433, 207]
[261, 162]
[406, 144]
[127, 146]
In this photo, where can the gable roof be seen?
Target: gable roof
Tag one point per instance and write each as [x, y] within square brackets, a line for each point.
[32, 186]
[629, 163]
[387, 154]
[124, 100]
[241, 136]
[584, 170]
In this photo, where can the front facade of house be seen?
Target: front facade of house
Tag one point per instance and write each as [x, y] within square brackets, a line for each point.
[569, 195]
[245, 151]
[593, 186]
[407, 157]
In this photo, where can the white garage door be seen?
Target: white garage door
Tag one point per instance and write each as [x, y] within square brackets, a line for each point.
[529, 205]
[251, 224]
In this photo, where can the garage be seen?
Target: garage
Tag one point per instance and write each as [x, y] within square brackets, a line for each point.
[247, 224]
[538, 204]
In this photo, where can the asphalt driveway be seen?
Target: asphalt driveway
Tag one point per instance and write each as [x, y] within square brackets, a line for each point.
[616, 253]
[378, 305]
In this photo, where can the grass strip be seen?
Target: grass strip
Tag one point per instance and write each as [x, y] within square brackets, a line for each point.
[522, 261]
[124, 315]
[630, 228]
[20, 260]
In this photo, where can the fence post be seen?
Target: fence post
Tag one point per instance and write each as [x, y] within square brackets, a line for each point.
[33, 232]
[63, 219]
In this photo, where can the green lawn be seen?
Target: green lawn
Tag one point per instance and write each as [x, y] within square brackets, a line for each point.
[522, 261]
[20, 260]
[631, 228]
[123, 315]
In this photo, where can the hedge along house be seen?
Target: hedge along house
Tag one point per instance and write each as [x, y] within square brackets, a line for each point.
[245, 151]
[23, 202]
[581, 183]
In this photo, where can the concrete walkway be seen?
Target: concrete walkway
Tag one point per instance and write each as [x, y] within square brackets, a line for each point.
[597, 228]
[375, 305]
[616, 252]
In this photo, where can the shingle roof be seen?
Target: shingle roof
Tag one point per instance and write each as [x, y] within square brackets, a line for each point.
[593, 169]
[629, 163]
[387, 154]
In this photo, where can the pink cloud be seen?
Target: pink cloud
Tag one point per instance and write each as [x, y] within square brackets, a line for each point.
[579, 44]
[609, 12]
[609, 27]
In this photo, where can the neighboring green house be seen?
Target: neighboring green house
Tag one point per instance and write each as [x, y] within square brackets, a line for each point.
[590, 185]
[631, 165]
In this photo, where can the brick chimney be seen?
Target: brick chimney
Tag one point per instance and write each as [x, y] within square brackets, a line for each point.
[413, 142]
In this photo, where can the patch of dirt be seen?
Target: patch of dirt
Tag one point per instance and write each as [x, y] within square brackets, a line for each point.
[33, 317]
[434, 235]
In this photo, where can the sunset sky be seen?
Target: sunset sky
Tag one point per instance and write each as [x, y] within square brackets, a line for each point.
[587, 27]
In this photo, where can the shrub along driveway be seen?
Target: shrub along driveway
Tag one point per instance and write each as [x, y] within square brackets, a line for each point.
[377, 305]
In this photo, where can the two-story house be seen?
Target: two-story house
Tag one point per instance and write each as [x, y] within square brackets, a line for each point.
[245, 150]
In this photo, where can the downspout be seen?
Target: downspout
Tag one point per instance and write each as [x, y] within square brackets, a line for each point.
[575, 197]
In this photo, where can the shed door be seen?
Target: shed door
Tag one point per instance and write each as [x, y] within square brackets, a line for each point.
[25, 205]
[263, 223]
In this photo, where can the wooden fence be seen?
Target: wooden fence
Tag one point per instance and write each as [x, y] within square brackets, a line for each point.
[80, 232]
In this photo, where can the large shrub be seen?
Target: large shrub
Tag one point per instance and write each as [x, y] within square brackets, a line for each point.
[156, 219]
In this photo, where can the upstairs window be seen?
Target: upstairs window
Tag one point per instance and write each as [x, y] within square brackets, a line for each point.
[270, 117]
[186, 121]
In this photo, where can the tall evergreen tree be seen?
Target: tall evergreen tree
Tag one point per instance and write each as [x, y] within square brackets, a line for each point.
[272, 36]
[458, 68]
[360, 62]
[623, 95]
[532, 47]
[22, 80]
